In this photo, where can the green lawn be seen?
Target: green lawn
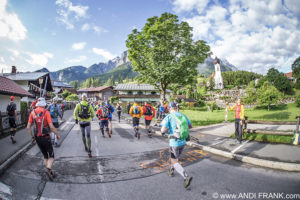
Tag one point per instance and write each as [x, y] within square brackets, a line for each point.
[285, 139]
[281, 113]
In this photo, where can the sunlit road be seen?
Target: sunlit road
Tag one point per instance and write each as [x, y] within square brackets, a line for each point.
[123, 167]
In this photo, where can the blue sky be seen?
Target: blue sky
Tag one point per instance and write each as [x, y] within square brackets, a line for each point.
[252, 35]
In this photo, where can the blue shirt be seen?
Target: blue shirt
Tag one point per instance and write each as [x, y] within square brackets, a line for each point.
[111, 108]
[56, 106]
[170, 123]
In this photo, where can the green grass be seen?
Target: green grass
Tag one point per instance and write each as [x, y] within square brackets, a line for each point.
[285, 139]
[202, 117]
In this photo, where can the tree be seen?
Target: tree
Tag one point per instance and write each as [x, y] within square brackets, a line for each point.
[297, 101]
[268, 95]
[75, 84]
[163, 52]
[296, 71]
[279, 80]
[110, 81]
[65, 94]
[72, 97]
[251, 94]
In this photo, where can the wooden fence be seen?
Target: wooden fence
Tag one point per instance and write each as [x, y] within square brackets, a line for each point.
[21, 120]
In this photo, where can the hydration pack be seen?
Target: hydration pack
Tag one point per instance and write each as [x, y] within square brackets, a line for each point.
[39, 128]
[148, 111]
[136, 110]
[11, 109]
[119, 108]
[84, 111]
[105, 112]
[53, 111]
[182, 127]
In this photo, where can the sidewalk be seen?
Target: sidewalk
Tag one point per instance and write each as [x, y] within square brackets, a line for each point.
[216, 139]
[23, 140]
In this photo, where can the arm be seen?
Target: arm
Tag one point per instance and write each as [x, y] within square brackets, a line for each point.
[231, 108]
[242, 114]
[112, 109]
[92, 111]
[130, 111]
[76, 112]
[54, 130]
[153, 111]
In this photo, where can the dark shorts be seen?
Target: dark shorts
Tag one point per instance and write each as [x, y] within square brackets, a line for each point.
[56, 124]
[175, 152]
[45, 145]
[135, 121]
[148, 122]
[12, 122]
[84, 124]
[110, 119]
[103, 123]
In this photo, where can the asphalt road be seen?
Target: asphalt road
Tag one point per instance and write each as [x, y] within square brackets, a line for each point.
[123, 167]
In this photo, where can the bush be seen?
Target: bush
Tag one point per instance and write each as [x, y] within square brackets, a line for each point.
[24, 106]
[297, 101]
[72, 97]
[113, 99]
[213, 106]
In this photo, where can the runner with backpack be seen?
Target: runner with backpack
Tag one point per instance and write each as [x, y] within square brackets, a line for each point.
[55, 111]
[178, 125]
[149, 113]
[41, 120]
[102, 114]
[119, 111]
[136, 113]
[163, 110]
[111, 110]
[11, 111]
[83, 114]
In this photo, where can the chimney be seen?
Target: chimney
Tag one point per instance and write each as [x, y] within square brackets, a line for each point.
[13, 70]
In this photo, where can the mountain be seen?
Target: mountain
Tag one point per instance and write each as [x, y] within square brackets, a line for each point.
[208, 66]
[81, 73]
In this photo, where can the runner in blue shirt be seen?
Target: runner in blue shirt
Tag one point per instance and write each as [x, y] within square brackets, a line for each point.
[111, 110]
[170, 124]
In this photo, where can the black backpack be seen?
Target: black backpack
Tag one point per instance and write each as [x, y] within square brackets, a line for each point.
[148, 111]
[84, 111]
[119, 108]
[11, 109]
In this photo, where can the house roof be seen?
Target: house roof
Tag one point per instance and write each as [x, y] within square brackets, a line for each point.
[27, 76]
[9, 87]
[94, 89]
[290, 74]
[143, 87]
[60, 84]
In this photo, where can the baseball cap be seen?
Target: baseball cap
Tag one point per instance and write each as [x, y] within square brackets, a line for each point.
[41, 102]
[172, 105]
[12, 98]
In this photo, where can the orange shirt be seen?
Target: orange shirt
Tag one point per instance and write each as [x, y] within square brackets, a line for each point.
[38, 110]
[147, 117]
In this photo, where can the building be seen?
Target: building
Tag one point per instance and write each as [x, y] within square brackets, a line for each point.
[59, 87]
[36, 83]
[138, 92]
[290, 76]
[97, 93]
[10, 88]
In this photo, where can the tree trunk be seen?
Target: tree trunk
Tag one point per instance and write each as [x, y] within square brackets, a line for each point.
[163, 93]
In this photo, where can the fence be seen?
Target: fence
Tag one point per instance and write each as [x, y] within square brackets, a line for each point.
[21, 120]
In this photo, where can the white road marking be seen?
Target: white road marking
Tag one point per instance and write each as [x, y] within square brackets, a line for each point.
[5, 189]
[213, 144]
[234, 150]
[45, 198]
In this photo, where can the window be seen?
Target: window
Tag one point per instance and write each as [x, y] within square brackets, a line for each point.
[130, 92]
[153, 93]
[140, 93]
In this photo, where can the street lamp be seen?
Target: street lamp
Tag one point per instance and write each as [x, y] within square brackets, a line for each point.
[40, 82]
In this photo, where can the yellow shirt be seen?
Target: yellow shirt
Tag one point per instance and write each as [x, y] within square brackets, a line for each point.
[136, 115]
[239, 114]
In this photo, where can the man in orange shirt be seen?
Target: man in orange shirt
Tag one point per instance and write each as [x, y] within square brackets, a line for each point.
[41, 119]
[136, 113]
[149, 113]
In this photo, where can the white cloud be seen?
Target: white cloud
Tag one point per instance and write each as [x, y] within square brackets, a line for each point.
[98, 29]
[104, 53]
[76, 60]
[78, 46]
[85, 27]
[11, 26]
[38, 59]
[14, 52]
[188, 5]
[253, 35]
[67, 11]
[293, 5]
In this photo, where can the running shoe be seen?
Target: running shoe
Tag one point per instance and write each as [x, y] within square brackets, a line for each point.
[139, 136]
[188, 181]
[50, 174]
[109, 135]
[170, 172]
[90, 154]
[13, 140]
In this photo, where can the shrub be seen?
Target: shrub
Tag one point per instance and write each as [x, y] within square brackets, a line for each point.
[297, 101]
[24, 106]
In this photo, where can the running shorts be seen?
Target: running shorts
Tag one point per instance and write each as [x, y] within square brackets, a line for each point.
[135, 121]
[175, 152]
[56, 124]
[103, 123]
[147, 122]
[12, 122]
[45, 145]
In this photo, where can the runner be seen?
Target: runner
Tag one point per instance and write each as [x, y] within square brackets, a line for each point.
[42, 122]
[163, 110]
[55, 112]
[149, 113]
[62, 107]
[83, 114]
[102, 114]
[111, 110]
[157, 114]
[239, 117]
[128, 107]
[178, 126]
[11, 111]
[136, 112]
[119, 111]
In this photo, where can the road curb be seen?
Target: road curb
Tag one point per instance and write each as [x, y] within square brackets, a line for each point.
[5, 165]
